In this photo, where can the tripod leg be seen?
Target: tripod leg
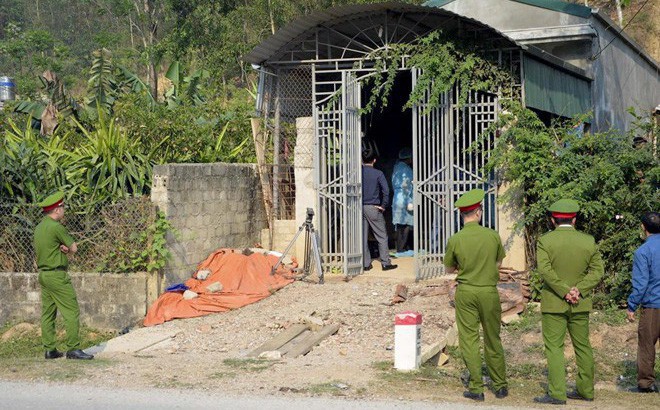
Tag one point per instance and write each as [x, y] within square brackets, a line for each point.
[317, 256]
[308, 261]
[289, 246]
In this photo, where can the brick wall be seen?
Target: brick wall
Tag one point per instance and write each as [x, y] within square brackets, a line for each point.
[211, 206]
[107, 301]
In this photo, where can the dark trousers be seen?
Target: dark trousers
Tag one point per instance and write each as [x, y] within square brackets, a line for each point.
[402, 234]
[373, 219]
[648, 334]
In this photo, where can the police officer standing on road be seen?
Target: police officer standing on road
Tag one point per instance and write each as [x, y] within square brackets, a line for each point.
[571, 266]
[52, 243]
[476, 253]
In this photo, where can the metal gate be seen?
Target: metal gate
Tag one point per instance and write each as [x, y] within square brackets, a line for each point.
[444, 168]
[339, 170]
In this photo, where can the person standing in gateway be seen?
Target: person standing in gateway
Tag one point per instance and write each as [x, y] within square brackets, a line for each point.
[52, 244]
[476, 253]
[571, 266]
[375, 199]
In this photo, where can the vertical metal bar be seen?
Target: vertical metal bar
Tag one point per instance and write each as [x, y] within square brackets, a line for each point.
[276, 153]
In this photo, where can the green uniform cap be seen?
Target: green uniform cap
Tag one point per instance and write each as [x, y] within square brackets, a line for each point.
[565, 206]
[470, 198]
[52, 200]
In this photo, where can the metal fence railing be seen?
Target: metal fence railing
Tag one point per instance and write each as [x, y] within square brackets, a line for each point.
[111, 238]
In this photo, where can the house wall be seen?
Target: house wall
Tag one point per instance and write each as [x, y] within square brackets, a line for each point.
[210, 206]
[622, 79]
[107, 301]
[509, 15]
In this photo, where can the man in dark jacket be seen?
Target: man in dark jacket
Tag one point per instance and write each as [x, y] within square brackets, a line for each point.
[375, 199]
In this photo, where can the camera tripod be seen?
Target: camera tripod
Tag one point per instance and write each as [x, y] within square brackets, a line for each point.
[311, 249]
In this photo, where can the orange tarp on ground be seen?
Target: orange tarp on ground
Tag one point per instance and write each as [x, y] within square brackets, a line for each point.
[244, 279]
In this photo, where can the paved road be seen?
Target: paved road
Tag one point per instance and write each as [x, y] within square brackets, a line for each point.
[21, 395]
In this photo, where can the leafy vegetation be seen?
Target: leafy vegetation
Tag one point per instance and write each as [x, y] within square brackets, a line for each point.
[613, 176]
[443, 63]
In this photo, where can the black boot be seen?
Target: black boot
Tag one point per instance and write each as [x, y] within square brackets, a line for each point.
[53, 354]
[78, 354]
[473, 396]
[502, 393]
[547, 399]
[651, 389]
[574, 395]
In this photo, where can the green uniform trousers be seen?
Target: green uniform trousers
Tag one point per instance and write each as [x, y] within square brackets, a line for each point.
[57, 293]
[554, 332]
[474, 305]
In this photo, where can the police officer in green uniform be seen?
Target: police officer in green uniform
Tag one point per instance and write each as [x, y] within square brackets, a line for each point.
[476, 253]
[52, 243]
[570, 266]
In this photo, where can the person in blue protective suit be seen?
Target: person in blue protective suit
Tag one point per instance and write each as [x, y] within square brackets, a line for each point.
[402, 203]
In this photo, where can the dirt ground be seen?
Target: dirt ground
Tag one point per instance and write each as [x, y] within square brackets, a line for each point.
[209, 353]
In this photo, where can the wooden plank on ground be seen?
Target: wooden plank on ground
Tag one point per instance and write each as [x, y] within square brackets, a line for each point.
[284, 350]
[431, 351]
[279, 340]
[312, 340]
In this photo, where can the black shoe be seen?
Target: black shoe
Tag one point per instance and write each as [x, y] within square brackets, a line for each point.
[473, 396]
[78, 354]
[652, 389]
[502, 393]
[366, 268]
[53, 354]
[574, 395]
[548, 400]
[390, 267]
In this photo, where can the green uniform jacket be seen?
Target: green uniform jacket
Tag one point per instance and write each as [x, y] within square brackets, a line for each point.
[475, 250]
[567, 258]
[48, 236]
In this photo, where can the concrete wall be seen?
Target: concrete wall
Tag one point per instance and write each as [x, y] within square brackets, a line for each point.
[107, 302]
[211, 206]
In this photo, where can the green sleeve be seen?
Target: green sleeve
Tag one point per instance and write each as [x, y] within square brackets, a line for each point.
[548, 274]
[63, 235]
[594, 274]
[500, 249]
[450, 257]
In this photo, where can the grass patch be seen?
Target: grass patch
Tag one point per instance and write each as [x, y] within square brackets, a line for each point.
[533, 348]
[334, 388]
[28, 344]
[529, 321]
[529, 371]
[426, 373]
[612, 316]
[171, 382]
[250, 365]
[222, 375]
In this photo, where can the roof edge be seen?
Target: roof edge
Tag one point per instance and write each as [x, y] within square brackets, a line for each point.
[555, 5]
[605, 19]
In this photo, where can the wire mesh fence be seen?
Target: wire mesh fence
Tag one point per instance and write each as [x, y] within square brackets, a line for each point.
[110, 238]
[287, 95]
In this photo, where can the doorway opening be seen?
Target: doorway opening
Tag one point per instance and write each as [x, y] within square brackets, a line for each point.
[387, 130]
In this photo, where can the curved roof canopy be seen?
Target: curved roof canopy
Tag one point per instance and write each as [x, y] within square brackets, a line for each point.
[353, 31]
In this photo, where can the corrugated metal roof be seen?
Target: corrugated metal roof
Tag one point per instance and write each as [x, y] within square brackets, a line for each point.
[302, 27]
